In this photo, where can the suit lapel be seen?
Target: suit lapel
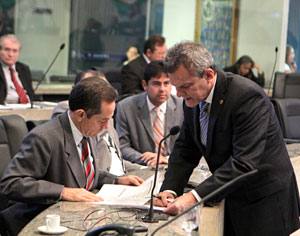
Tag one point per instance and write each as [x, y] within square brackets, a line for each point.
[143, 114]
[216, 107]
[196, 126]
[71, 152]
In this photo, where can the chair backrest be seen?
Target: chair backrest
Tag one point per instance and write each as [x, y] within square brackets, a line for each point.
[288, 113]
[12, 131]
[114, 76]
[286, 85]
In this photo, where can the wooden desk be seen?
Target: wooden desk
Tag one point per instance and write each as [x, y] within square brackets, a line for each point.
[54, 89]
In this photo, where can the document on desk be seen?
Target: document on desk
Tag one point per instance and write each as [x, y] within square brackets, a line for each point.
[129, 196]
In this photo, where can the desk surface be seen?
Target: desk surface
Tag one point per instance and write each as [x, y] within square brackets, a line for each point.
[30, 114]
[73, 216]
[54, 88]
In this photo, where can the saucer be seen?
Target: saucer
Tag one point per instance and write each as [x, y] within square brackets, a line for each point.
[59, 230]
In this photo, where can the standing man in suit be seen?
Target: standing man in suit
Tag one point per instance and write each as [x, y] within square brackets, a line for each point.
[58, 160]
[15, 77]
[136, 119]
[133, 73]
[231, 122]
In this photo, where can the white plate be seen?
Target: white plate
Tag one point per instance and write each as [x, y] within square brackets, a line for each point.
[59, 230]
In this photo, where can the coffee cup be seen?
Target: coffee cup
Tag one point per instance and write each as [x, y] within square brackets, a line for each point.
[52, 222]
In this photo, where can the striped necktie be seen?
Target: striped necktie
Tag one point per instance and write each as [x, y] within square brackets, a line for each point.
[204, 118]
[158, 130]
[87, 164]
[19, 89]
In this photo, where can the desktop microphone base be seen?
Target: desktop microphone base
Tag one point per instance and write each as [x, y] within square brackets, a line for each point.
[157, 216]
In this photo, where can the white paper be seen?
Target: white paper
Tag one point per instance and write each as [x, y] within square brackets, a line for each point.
[124, 195]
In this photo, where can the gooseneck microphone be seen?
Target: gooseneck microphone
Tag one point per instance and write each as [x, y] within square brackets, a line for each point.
[220, 190]
[273, 71]
[149, 217]
[62, 46]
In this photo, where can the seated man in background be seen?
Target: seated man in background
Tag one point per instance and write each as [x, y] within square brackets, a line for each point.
[144, 119]
[57, 160]
[108, 144]
[15, 77]
[244, 66]
[133, 72]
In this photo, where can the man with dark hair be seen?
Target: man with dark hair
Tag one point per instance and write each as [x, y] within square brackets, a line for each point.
[133, 72]
[57, 160]
[142, 120]
[15, 77]
[231, 123]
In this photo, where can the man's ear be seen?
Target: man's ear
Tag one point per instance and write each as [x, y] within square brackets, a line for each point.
[144, 84]
[79, 114]
[148, 52]
[209, 74]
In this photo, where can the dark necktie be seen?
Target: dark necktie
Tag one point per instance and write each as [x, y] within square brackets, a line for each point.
[87, 164]
[19, 89]
[204, 118]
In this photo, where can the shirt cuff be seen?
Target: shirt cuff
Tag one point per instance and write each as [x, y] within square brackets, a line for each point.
[172, 192]
[196, 195]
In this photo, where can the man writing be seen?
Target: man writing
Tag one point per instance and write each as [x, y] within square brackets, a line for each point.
[58, 161]
[15, 77]
[231, 122]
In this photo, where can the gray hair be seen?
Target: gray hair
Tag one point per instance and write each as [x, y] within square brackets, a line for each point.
[11, 37]
[193, 56]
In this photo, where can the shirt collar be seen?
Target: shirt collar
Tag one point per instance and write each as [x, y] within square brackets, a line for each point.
[76, 133]
[210, 96]
[146, 58]
[162, 107]
[4, 66]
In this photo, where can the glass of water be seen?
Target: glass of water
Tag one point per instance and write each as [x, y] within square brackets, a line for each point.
[190, 221]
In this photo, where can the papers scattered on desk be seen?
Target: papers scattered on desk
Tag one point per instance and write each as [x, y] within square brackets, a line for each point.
[124, 195]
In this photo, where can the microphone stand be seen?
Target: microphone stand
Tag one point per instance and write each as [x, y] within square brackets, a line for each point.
[62, 46]
[149, 217]
[272, 74]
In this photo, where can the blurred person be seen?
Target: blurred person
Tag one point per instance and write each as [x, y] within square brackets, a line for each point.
[142, 120]
[131, 53]
[244, 66]
[15, 77]
[133, 72]
[58, 161]
[290, 65]
[232, 124]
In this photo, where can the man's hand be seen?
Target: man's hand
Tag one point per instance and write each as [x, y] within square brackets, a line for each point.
[180, 204]
[151, 158]
[164, 199]
[130, 180]
[79, 195]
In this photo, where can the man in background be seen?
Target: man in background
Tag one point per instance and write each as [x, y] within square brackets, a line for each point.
[58, 160]
[15, 77]
[133, 72]
[144, 119]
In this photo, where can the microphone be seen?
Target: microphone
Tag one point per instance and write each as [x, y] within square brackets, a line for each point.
[214, 193]
[149, 217]
[272, 74]
[62, 46]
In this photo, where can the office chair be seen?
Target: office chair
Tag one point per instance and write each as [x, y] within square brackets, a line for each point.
[288, 114]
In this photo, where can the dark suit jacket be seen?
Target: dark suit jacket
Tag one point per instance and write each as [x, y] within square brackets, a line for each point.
[132, 76]
[243, 134]
[47, 161]
[25, 78]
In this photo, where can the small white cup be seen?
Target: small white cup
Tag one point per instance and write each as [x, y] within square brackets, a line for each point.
[52, 222]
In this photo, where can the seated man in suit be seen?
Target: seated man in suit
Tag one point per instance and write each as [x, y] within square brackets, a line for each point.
[142, 120]
[108, 144]
[58, 161]
[133, 73]
[15, 77]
